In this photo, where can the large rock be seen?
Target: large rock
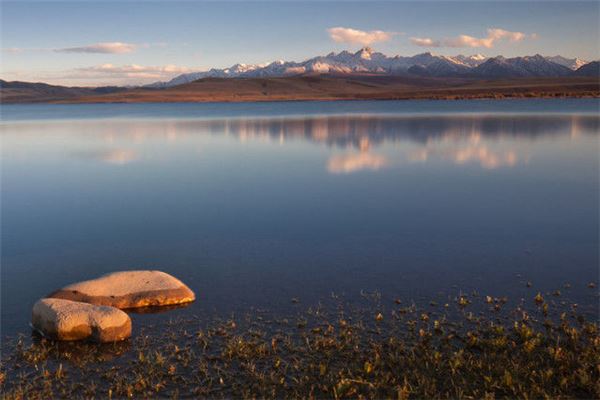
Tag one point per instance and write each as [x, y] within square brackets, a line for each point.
[71, 320]
[129, 289]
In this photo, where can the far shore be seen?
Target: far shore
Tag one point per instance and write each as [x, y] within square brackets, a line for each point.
[316, 88]
[257, 99]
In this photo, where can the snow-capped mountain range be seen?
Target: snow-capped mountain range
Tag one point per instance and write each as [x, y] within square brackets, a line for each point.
[572, 63]
[367, 61]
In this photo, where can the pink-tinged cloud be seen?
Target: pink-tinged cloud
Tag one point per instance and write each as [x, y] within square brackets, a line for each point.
[109, 74]
[425, 42]
[354, 36]
[101, 48]
[128, 71]
[12, 50]
[493, 35]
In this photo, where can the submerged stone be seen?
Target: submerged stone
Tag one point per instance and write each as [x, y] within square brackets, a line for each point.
[129, 289]
[72, 320]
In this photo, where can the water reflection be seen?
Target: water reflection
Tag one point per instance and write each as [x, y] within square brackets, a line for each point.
[470, 150]
[355, 143]
[117, 156]
[332, 130]
[343, 131]
[158, 309]
[356, 161]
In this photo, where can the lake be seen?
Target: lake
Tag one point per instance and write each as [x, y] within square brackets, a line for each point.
[255, 204]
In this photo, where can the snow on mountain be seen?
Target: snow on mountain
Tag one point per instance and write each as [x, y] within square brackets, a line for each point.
[537, 65]
[366, 60]
[528, 66]
[498, 67]
[447, 67]
[470, 61]
[571, 63]
[590, 69]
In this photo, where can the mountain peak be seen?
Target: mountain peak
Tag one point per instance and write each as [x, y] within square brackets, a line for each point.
[538, 57]
[365, 53]
[571, 63]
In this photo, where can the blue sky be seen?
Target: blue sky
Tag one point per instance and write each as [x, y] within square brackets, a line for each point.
[97, 43]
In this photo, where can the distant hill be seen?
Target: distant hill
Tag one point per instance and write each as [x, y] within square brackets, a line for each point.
[20, 92]
[313, 87]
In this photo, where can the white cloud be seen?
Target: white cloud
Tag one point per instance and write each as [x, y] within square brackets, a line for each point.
[493, 35]
[424, 42]
[127, 71]
[102, 75]
[355, 36]
[109, 74]
[12, 50]
[102, 48]
[98, 48]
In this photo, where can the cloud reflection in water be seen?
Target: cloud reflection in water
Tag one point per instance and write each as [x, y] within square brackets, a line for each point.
[355, 162]
[368, 142]
[117, 156]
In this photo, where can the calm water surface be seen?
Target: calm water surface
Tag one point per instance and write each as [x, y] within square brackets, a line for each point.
[254, 204]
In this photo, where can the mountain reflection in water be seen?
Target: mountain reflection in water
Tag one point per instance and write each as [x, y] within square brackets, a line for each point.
[487, 141]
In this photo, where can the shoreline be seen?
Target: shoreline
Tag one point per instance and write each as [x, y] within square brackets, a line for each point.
[327, 100]
[514, 96]
[318, 88]
[472, 346]
[316, 100]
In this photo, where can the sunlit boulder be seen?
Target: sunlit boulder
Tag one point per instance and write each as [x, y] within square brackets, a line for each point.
[71, 320]
[129, 289]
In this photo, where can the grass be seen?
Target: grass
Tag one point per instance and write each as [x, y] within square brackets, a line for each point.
[470, 347]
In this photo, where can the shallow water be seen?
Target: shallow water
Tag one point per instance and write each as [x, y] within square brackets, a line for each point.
[254, 204]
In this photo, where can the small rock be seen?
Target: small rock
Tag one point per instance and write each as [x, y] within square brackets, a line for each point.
[538, 298]
[71, 320]
[129, 289]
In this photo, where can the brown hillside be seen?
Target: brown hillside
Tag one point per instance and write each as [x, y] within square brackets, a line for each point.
[341, 88]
